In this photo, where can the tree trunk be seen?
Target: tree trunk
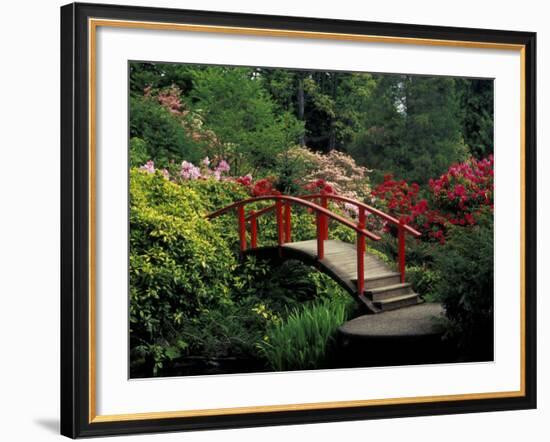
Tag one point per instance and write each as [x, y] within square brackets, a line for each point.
[301, 106]
[332, 134]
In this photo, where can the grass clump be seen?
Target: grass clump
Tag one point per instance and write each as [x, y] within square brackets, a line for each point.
[303, 340]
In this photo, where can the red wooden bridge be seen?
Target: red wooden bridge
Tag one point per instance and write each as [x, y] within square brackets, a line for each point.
[361, 273]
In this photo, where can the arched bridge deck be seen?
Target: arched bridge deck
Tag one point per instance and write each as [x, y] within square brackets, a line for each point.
[383, 287]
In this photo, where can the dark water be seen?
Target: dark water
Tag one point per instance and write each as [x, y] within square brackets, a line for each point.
[346, 353]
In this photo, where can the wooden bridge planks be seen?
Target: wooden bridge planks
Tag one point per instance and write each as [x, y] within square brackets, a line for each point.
[341, 258]
[340, 263]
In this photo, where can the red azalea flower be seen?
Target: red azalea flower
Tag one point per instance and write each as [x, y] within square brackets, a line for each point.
[263, 187]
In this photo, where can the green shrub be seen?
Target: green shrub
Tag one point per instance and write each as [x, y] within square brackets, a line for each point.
[325, 287]
[227, 331]
[138, 154]
[417, 252]
[424, 281]
[303, 340]
[251, 128]
[179, 266]
[163, 134]
[466, 287]
[263, 296]
[278, 286]
[215, 195]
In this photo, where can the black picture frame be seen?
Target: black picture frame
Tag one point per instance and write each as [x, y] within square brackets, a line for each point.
[75, 221]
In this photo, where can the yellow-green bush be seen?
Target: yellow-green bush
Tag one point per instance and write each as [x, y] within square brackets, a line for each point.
[214, 195]
[179, 266]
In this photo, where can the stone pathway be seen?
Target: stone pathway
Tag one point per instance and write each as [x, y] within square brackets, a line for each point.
[407, 336]
[415, 321]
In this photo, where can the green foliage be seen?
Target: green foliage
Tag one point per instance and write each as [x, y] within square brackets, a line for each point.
[262, 297]
[303, 340]
[432, 138]
[413, 129]
[163, 134]
[215, 195]
[411, 126]
[227, 331]
[417, 253]
[160, 75]
[476, 104]
[138, 154]
[424, 281]
[291, 168]
[466, 287]
[281, 286]
[244, 118]
[179, 265]
[329, 103]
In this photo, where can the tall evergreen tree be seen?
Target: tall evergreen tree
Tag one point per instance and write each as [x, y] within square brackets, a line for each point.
[412, 128]
[476, 103]
[250, 128]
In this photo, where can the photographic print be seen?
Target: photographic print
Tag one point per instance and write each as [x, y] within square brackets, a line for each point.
[276, 220]
[285, 219]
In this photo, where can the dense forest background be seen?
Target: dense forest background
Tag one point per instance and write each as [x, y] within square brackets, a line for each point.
[410, 126]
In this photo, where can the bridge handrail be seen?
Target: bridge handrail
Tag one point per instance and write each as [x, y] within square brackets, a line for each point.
[323, 214]
[358, 204]
[294, 200]
[368, 208]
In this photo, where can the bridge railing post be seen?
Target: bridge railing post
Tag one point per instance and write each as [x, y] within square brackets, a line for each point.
[401, 242]
[320, 236]
[280, 226]
[361, 253]
[242, 227]
[324, 204]
[288, 227]
[253, 230]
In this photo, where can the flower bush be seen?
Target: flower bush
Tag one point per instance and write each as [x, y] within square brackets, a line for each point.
[162, 134]
[170, 98]
[263, 187]
[188, 171]
[458, 197]
[319, 186]
[464, 189]
[336, 171]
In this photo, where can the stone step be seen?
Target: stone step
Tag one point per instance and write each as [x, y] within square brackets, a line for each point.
[383, 280]
[390, 291]
[397, 302]
[366, 301]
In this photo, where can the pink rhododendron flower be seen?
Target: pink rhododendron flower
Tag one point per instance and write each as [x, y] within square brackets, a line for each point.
[189, 171]
[352, 209]
[149, 167]
[223, 166]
